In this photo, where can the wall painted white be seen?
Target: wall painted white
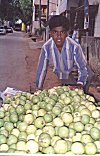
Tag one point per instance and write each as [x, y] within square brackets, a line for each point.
[97, 24]
[94, 2]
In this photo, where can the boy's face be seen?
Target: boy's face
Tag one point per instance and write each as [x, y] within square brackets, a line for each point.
[59, 34]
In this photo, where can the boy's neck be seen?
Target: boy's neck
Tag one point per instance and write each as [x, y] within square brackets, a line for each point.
[59, 49]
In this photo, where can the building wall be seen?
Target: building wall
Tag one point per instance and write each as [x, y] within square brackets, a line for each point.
[93, 2]
[59, 6]
[52, 10]
[43, 2]
[97, 24]
[91, 49]
[64, 5]
[52, 6]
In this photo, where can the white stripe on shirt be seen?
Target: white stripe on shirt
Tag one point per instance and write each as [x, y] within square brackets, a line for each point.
[53, 55]
[68, 54]
[43, 69]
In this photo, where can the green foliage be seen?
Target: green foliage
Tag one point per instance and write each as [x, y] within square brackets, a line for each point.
[26, 7]
[14, 9]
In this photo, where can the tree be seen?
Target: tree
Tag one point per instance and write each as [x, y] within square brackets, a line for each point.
[26, 7]
[16, 9]
[5, 9]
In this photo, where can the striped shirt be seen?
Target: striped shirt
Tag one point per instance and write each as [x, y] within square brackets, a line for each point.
[62, 63]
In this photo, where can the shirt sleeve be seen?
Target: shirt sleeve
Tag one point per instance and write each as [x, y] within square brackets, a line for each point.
[41, 69]
[81, 63]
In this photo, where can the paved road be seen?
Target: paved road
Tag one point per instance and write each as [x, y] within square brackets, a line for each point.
[15, 62]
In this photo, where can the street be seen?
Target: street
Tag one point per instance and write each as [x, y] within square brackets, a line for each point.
[16, 66]
[18, 63]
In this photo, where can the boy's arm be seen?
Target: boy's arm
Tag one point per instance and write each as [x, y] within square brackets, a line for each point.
[41, 69]
[82, 66]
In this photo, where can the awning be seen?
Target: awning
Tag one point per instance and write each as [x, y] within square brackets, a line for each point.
[94, 2]
[63, 6]
[43, 2]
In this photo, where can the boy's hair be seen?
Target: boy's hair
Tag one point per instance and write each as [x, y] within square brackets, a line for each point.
[59, 20]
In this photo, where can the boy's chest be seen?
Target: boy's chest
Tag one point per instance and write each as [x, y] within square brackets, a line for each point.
[56, 57]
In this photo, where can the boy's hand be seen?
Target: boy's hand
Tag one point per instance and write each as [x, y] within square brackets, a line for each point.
[79, 86]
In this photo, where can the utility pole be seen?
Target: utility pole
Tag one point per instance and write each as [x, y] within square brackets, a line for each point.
[40, 13]
[47, 29]
[47, 10]
[86, 24]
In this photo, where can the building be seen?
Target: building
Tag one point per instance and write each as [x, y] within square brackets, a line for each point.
[97, 19]
[42, 9]
[73, 9]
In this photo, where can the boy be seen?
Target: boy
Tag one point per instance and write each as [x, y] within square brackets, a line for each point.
[62, 53]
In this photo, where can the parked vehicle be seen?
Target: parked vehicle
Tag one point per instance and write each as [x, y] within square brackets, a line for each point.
[2, 30]
[8, 29]
[18, 27]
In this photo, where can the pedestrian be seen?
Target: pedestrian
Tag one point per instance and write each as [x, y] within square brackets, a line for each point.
[61, 52]
[28, 28]
[75, 34]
